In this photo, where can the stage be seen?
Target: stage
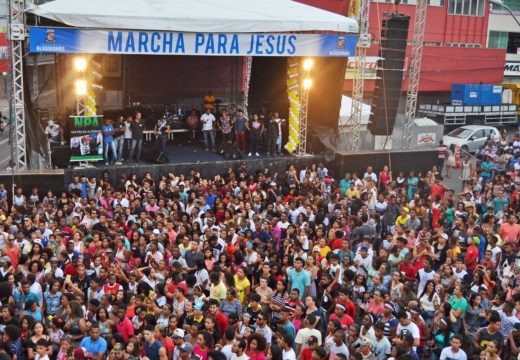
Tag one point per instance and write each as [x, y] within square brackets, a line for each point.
[182, 159]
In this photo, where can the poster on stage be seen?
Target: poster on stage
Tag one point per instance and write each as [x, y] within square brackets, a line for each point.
[426, 138]
[86, 138]
[56, 40]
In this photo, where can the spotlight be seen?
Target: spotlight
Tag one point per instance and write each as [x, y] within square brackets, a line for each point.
[307, 64]
[97, 87]
[96, 65]
[95, 75]
[81, 87]
[307, 84]
[80, 64]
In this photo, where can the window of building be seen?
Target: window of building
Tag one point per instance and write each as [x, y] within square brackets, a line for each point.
[466, 7]
[432, 43]
[514, 43]
[435, 2]
[498, 40]
[468, 45]
[512, 4]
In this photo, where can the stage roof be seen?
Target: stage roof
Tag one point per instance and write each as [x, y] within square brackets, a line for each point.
[210, 16]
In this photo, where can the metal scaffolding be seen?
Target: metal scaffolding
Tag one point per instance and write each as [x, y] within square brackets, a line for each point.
[359, 76]
[16, 37]
[304, 107]
[414, 71]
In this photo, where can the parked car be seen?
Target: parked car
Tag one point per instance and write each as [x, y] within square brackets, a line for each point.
[470, 137]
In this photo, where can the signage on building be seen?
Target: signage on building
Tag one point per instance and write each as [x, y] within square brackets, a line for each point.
[370, 68]
[93, 41]
[512, 68]
[426, 138]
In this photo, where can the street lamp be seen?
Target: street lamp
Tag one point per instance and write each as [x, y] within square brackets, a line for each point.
[501, 3]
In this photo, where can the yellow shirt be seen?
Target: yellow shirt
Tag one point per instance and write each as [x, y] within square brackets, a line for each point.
[352, 192]
[218, 292]
[323, 251]
[209, 100]
[402, 220]
[241, 285]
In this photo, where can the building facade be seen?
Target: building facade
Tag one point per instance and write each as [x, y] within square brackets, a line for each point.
[456, 42]
[504, 33]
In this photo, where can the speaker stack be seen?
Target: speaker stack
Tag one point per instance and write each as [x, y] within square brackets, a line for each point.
[389, 80]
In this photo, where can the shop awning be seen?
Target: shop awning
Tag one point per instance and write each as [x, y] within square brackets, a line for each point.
[208, 16]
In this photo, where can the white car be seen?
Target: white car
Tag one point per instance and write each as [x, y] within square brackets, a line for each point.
[470, 137]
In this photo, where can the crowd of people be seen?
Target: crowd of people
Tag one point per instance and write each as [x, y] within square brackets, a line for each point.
[256, 264]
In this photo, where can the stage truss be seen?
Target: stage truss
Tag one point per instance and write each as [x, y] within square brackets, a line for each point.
[16, 36]
[414, 71]
[353, 137]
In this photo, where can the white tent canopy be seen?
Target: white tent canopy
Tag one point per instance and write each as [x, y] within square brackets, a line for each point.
[228, 16]
[346, 110]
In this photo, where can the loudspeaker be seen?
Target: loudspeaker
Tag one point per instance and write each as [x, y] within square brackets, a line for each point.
[389, 80]
[60, 155]
[328, 75]
[156, 157]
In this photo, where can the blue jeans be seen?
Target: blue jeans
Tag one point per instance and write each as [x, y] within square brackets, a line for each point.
[119, 141]
[137, 145]
[128, 147]
[112, 146]
[209, 139]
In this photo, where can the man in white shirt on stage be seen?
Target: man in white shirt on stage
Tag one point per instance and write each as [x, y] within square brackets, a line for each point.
[208, 119]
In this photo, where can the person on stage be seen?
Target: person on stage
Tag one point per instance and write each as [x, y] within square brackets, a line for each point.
[161, 132]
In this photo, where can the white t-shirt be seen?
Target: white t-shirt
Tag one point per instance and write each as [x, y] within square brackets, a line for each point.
[303, 335]
[447, 354]
[241, 357]
[52, 130]
[207, 121]
[423, 279]
[288, 355]
[411, 328]
[460, 275]
[382, 348]
[128, 130]
[335, 350]
[226, 350]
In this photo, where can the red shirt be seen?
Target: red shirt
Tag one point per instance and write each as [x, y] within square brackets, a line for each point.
[70, 270]
[384, 177]
[471, 259]
[111, 289]
[437, 189]
[511, 231]
[125, 328]
[222, 322]
[345, 322]
[351, 309]
[336, 244]
[306, 354]
[408, 270]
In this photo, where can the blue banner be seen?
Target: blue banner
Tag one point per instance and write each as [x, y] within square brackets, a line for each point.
[89, 41]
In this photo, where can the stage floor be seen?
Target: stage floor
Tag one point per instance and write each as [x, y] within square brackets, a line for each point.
[190, 153]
